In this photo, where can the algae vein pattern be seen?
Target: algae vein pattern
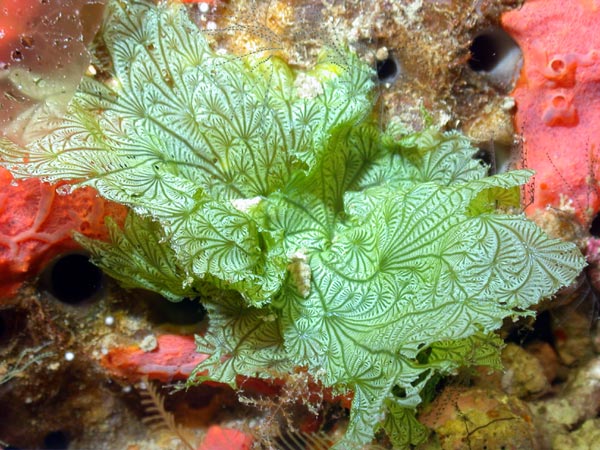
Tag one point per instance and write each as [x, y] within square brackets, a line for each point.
[373, 259]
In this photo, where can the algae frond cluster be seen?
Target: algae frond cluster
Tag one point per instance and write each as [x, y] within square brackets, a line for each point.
[374, 259]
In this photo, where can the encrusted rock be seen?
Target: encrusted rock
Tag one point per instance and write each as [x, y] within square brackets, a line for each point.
[477, 419]
[524, 375]
[585, 437]
[578, 401]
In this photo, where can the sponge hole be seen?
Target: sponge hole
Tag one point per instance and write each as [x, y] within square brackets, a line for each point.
[388, 70]
[486, 52]
[486, 158]
[72, 278]
[56, 440]
[595, 226]
[497, 56]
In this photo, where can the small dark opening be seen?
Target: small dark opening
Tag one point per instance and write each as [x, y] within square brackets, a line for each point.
[540, 330]
[399, 391]
[485, 53]
[485, 157]
[423, 356]
[73, 278]
[12, 321]
[489, 48]
[16, 55]
[495, 156]
[186, 312]
[56, 440]
[595, 226]
[3, 329]
[332, 416]
[201, 396]
[387, 70]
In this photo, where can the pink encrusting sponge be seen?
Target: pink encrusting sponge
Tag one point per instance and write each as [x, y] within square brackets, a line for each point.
[558, 100]
[36, 225]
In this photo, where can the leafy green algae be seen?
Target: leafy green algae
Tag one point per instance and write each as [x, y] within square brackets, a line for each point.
[314, 239]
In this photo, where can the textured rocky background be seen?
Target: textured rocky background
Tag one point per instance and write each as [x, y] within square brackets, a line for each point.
[75, 348]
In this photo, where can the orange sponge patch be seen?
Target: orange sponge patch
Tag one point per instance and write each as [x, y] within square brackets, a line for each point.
[558, 99]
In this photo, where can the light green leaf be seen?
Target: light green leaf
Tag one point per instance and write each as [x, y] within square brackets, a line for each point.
[379, 290]
[378, 261]
[185, 130]
[136, 258]
[402, 427]
[477, 350]
[240, 341]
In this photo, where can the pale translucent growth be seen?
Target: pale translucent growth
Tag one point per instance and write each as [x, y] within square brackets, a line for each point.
[245, 204]
[508, 103]
[308, 86]
[300, 272]
[113, 84]
[269, 317]
[565, 204]
[51, 40]
[149, 343]
[91, 71]
[64, 189]
[382, 54]
[188, 282]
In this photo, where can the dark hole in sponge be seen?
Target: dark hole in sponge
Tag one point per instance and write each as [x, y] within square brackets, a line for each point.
[489, 48]
[56, 440]
[485, 53]
[72, 278]
[595, 226]
[387, 70]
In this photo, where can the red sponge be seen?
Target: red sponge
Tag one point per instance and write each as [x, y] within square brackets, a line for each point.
[36, 225]
[558, 100]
